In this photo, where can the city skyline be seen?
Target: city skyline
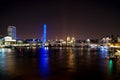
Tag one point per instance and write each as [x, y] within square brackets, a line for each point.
[79, 19]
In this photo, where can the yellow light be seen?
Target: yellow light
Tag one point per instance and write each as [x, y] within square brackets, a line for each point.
[68, 38]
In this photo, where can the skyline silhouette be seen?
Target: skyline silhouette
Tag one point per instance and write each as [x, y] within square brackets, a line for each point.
[80, 19]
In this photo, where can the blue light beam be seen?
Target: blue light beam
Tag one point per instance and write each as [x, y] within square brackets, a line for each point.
[44, 34]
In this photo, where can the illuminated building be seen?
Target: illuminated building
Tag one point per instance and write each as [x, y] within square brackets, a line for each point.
[9, 41]
[73, 39]
[118, 38]
[88, 40]
[44, 34]
[1, 40]
[68, 39]
[12, 32]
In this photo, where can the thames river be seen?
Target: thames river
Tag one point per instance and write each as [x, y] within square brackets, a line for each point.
[57, 64]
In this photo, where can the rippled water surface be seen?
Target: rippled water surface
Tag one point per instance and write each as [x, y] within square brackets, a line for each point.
[57, 64]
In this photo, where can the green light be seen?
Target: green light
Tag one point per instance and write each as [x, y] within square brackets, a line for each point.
[110, 62]
[110, 67]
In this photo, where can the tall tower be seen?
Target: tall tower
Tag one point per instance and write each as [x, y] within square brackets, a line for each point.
[44, 34]
[12, 32]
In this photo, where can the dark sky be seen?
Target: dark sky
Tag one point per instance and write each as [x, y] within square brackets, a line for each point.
[79, 18]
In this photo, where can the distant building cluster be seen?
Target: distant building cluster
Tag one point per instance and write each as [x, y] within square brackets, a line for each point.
[11, 39]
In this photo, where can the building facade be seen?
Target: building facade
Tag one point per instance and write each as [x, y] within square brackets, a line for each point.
[12, 32]
[1, 40]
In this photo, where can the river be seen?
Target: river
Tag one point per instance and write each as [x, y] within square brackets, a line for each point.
[57, 64]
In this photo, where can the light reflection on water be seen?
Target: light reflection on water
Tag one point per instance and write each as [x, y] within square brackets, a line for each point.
[71, 60]
[7, 60]
[57, 61]
[110, 67]
[6, 63]
[44, 61]
[2, 59]
[118, 65]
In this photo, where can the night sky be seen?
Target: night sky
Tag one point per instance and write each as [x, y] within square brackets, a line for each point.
[79, 18]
